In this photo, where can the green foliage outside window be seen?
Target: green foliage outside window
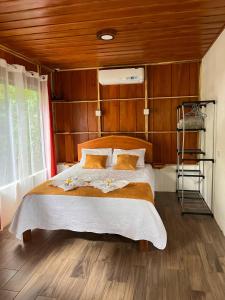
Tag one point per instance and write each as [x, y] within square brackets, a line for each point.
[19, 114]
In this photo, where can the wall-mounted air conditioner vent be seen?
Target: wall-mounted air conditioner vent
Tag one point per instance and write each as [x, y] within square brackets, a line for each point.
[121, 76]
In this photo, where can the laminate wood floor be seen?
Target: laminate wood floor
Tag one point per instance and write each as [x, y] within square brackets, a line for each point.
[67, 265]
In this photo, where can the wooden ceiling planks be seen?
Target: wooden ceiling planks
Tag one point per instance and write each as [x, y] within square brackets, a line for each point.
[62, 33]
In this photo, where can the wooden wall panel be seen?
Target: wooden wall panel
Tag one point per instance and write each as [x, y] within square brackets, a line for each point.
[141, 136]
[74, 113]
[161, 114]
[127, 115]
[66, 85]
[60, 147]
[66, 145]
[128, 120]
[74, 117]
[123, 116]
[76, 85]
[92, 120]
[79, 116]
[109, 92]
[122, 108]
[159, 80]
[58, 121]
[111, 116]
[124, 91]
[70, 150]
[180, 79]
[140, 118]
[132, 91]
[92, 136]
[57, 86]
[194, 78]
[161, 148]
[133, 134]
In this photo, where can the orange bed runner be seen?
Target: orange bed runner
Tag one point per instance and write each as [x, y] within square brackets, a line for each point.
[136, 190]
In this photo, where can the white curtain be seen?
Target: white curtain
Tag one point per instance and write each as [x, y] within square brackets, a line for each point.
[22, 150]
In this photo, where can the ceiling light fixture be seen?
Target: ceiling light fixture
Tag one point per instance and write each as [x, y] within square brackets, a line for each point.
[106, 34]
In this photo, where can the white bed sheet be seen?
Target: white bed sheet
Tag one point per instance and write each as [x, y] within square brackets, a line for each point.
[135, 219]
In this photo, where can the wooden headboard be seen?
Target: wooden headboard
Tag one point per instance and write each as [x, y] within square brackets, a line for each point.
[119, 142]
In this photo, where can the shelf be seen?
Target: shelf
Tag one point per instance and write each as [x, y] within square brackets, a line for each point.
[193, 203]
[188, 170]
[190, 194]
[191, 175]
[197, 159]
[199, 103]
[197, 208]
[189, 130]
[191, 151]
[188, 191]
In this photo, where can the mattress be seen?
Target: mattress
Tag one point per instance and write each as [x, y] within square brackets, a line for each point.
[137, 219]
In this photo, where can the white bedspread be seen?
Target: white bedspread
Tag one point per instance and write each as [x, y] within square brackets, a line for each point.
[135, 219]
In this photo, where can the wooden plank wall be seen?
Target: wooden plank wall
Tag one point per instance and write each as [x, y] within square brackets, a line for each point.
[76, 99]
[12, 59]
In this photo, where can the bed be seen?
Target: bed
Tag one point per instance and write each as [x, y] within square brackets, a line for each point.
[132, 217]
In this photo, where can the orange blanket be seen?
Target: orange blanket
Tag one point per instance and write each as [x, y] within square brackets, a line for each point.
[136, 190]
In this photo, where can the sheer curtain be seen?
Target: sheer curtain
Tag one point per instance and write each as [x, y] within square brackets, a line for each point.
[22, 141]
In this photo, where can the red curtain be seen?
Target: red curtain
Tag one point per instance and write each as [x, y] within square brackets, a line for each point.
[52, 145]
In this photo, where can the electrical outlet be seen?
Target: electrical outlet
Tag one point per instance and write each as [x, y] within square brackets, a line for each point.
[98, 113]
[146, 111]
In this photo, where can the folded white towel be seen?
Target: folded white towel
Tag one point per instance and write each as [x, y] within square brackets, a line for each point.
[69, 183]
[109, 185]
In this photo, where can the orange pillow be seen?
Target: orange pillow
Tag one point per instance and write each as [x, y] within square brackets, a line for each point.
[95, 161]
[126, 162]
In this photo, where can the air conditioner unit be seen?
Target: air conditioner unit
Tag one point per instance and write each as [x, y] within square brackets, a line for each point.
[121, 76]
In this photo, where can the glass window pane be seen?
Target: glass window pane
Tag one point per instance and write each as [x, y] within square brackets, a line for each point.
[6, 142]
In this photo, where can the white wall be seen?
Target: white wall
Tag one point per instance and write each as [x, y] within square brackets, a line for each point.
[213, 87]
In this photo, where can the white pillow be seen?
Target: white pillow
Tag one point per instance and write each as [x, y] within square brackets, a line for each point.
[97, 151]
[138, 152]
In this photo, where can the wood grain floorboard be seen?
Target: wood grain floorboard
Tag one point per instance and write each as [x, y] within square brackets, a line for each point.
[44, 298]
[7, 295]
[5, 275]
[64, 265]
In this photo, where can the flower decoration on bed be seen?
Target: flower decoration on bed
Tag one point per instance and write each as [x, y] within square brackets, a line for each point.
[68, 181]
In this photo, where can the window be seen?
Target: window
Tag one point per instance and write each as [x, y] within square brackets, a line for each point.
[6, 150]
[21, 140]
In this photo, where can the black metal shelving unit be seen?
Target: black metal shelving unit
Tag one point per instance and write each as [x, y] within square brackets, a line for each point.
[193, 201]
